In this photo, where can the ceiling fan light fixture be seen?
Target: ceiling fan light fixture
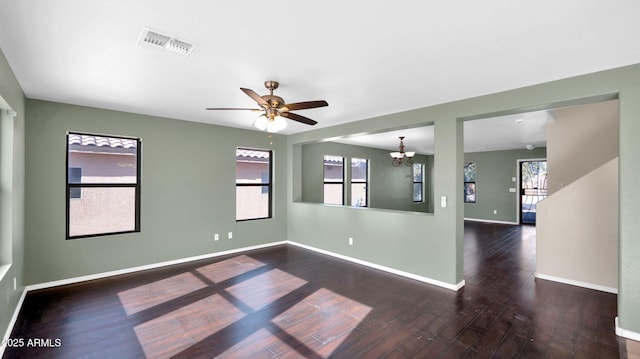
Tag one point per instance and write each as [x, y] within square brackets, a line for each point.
[276, 110]
[261, 123]
[276, 124]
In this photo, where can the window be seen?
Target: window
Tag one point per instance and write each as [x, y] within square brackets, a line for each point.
[333, 179]
[418, 182]
[6, 190]
[359, 179]
[253, 184]
[103, 185]
[470, 182]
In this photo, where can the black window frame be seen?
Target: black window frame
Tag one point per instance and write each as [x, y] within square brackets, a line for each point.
[421, 182]
[269, 185]
[71, 186]
[470, 181]
[357, 181]
[342, 183]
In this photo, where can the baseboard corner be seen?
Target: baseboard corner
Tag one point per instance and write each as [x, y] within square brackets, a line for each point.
[628, 334]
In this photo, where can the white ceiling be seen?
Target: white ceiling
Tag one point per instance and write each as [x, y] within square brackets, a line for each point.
[488, 134]
[366, 58]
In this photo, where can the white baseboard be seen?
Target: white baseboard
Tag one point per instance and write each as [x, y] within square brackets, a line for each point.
[145, 267]
[454, 287]
[490, 221]
[577, 283]
[12, 322]
[626, 333]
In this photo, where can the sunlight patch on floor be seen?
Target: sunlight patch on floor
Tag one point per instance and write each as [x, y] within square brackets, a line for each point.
[261, 344]
[322, 321]
[193, 323]
[317, 325]
[229, 268]
[265, 288]
[150, 295]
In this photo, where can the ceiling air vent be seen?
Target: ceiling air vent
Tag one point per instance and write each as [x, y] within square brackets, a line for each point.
[154, 39]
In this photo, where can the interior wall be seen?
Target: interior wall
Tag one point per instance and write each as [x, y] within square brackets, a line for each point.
[577, 231]
[389, 187]
[425, 245]
[583, 138]
[495, 171]
[13, 237]
[188, 192]
[581, 211]
[416, 244]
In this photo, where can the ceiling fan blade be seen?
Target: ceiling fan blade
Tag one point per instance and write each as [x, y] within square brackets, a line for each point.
[298, 118]
[257, 98]
[234, 108]
[305, 105]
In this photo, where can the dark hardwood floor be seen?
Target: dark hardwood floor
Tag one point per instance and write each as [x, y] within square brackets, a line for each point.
[287, 302]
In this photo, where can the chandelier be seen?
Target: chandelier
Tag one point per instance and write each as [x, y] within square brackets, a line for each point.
[398, 158]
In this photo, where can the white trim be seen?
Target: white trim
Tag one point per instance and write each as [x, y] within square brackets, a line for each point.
[626, 333]
[149, 266]
[577, 283]
[454, 287]
[12, 322]
[490, 221]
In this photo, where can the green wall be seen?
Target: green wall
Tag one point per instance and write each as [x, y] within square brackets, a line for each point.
[431, 245]
[12, 94]
[494, 173]
[426, 245]
[389, 187]
[188, 192]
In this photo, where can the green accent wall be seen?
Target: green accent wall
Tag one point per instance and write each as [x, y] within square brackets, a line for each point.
[494, 173]
[389, 187]
[12, 210]
[188, 192]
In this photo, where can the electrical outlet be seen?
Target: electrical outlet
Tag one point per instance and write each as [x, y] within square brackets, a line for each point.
[216, 237]
[350, 241]
[495, 211]
[15, 284]
[230, 235]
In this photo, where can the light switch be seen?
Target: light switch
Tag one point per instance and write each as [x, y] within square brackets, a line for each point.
[443, 201]
[513, 190]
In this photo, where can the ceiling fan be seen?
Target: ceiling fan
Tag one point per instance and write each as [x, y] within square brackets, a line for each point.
[275, 109]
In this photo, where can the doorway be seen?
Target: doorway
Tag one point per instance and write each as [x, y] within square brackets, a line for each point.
[533, 188]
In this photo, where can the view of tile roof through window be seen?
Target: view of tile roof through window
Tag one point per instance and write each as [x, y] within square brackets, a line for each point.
[251, 153]
[334, 159]
[101, 141]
